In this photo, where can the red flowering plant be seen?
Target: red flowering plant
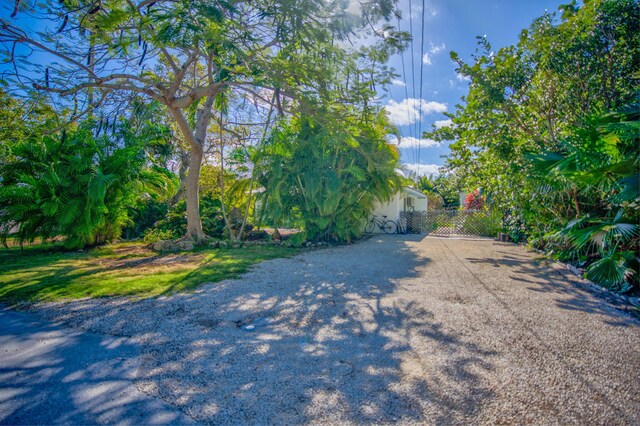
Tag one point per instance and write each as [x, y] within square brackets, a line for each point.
[474, 201]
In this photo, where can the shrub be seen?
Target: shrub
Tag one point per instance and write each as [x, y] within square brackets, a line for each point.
[324, 176]
[74, 185]
[144, 216]
[153, 235]
[474, 201]
[175, 221]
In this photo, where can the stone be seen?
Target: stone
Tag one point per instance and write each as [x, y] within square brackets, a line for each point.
[164, 245]
[185, 245]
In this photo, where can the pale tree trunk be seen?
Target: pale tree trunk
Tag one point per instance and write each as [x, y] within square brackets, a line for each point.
[223, 206]
[194, 224]
[182, 175]
[195, 139]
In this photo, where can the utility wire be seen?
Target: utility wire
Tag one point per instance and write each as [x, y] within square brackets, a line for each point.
[413, 84]
[404, 78]
[421, 73]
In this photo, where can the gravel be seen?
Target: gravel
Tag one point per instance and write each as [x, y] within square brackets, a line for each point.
[393, 329]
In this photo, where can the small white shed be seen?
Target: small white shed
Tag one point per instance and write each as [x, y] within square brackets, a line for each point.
[407, 199]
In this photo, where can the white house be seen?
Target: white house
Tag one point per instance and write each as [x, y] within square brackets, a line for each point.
[407, 199]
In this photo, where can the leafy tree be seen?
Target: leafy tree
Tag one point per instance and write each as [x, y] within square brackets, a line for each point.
[529, 97]
[325, 176]
[189, 56]
[549, 96]
[441, 191]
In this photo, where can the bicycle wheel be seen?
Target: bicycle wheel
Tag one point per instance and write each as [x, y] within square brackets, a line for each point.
[390, 227]
[370, 227]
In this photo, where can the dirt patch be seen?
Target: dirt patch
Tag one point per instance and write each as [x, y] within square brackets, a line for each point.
[137, 258]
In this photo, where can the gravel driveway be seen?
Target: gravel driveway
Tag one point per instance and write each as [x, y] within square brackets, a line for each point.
[393, 329]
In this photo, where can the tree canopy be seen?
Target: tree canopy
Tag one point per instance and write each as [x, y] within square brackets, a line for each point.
[553, 96]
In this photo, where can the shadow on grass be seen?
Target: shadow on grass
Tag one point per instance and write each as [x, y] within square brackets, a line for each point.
[44, 275]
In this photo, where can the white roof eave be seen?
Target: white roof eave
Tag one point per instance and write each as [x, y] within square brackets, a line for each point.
[413, 192]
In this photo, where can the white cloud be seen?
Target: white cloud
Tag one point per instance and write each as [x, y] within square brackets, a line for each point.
[435, 49]
[443, 123]
[397, 82]
[410, 110]
[461, 77]
[427, 58]
[423, 169]
[411, 142]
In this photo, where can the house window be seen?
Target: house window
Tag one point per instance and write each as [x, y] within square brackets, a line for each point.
[409, 204]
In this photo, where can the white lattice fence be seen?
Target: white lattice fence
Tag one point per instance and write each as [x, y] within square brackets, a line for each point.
[448, 222]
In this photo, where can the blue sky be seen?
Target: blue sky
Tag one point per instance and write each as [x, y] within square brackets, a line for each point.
[450, 25]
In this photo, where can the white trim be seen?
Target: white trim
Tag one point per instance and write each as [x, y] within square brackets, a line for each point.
[412, 192]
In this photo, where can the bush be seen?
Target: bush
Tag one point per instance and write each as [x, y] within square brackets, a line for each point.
[74, 185]
[474, 201]
[144, 216]
[154, 235]
[175, 220]
[325, 175]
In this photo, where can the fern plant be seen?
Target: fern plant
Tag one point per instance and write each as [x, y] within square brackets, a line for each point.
[325, 177]
[75, 186]
[597, 176]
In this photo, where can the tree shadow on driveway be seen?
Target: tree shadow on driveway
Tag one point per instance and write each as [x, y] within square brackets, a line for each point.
[321, 337]
[53, 375]
[544, 276]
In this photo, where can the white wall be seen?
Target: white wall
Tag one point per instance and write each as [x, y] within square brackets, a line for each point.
[391, 209]
[421, 204]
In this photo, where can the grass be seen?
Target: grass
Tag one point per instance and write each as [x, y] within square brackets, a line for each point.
[38, 274]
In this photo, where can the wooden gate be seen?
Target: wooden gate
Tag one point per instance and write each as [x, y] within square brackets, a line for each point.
[447, 223]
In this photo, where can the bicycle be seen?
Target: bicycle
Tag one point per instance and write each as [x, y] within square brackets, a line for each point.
[386, 225]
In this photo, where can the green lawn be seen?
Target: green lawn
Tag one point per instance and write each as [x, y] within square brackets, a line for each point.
[125, 269]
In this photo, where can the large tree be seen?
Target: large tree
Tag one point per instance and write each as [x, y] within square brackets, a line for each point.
[529, 97]
[186, 55]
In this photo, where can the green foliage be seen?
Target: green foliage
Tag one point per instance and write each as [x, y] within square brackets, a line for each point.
[535, 133]
[325, 176]
[446, 186]
[144, 215]
[482, 224]
[73, 185]
[597, 170]
[20, 118]
[153, 235]
[175, 221]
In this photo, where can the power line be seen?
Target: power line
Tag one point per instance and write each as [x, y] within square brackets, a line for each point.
[421, 71]
[406, 88]
[413, 83]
